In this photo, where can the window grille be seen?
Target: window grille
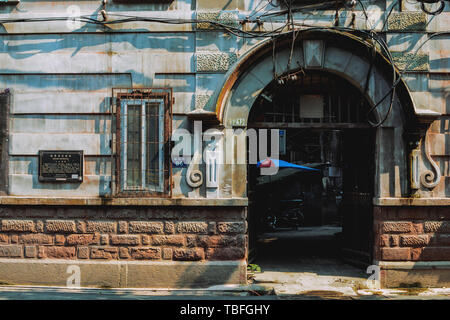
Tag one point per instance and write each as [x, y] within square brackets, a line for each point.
[143, 126]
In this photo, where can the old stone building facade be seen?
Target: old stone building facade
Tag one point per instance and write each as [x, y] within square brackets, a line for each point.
[119, 81]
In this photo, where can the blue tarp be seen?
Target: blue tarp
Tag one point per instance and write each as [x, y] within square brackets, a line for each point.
[283, 164]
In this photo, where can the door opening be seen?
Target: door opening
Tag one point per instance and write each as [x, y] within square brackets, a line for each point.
[300, 220]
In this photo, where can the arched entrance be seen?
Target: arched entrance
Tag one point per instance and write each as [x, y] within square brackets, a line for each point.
[326, 215]
[350, 58]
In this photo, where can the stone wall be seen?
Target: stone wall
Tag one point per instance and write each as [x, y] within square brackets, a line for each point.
[123, 233]
[412, 233]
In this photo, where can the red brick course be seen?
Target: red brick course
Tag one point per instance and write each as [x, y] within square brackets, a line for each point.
[142, 234]
[412, 233]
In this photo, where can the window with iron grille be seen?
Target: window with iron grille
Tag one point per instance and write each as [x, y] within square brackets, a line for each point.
[143, 126]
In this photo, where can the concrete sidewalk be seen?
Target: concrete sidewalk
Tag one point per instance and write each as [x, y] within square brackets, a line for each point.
[235, 293]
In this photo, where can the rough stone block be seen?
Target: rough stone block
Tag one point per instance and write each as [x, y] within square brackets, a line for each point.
[146, 227]
[18, 225]
[147, 253]
[62, 226]
[59, 252]
[10, 251]
[4, 238]
[192, 227]
[411, 62]
[435, 254]
[437, 226]
[30, 252]
[235, 253]
[36, 239]
[231, 227]
[214, 61]
[107, 253]
[123, 227]
[395, 254]
[83, 239]
[169, 240]
[101, 226]
[125, 239]
[407, 21]
[167, 253]
[124, 253]
[208, 19]
[397, 227]
[60, 239]
[414, 240]
[169, 227]
[83, 252]
[193, 254]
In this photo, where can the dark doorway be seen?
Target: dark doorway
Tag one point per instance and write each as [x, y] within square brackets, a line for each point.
[296, 215]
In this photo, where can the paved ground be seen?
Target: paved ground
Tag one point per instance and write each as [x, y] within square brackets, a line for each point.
[295, 265]
[305, 264]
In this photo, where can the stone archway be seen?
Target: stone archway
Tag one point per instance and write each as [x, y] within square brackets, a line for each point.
[349, 57]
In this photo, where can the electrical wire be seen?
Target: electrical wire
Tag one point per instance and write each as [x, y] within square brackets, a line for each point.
[273, 34]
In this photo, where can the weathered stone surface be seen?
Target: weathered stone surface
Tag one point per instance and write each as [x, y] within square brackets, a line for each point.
[10, 251]
[101, 226]
[30, 252]
[83, 252]
[146, 253]
[231, 227]
[192, 227]
[169, 227]
[60, 239]
[146, 227]
[83, 239]
[384, 240]
[201, 100]
[169, 240]
[407, 21]
[441, 240]
[235, 253]
[123, 227]
[193, 254]
[4, 238]
[125, 239]
[59, 252]
[411, 62]
[167, 253]
[395, 254]
[214, 61]
[437, 226]
[18, 225]
[435, 254]
[124, 253]
[414, 240]
[221, 241]
[104, 253]
[104, 239]
[63, 226]
[145, 239]
[397, 227]
[36, 239]
[228, 18]
[394, 240]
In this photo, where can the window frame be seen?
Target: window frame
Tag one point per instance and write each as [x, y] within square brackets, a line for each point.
[123, 97]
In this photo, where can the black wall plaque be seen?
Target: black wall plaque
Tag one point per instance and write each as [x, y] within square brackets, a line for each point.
[60, 166]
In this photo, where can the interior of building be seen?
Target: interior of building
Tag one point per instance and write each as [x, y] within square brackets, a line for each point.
[313, 221]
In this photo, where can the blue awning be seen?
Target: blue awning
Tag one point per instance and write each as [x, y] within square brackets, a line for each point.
[282, 164]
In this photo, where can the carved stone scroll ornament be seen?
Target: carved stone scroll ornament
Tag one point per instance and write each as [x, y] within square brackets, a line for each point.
[428, 178]
[194, 177]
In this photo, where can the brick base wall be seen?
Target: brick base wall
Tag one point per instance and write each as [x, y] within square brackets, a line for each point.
[123, 233]
[412, 233]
